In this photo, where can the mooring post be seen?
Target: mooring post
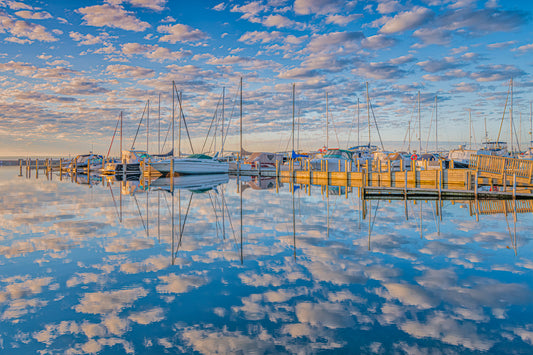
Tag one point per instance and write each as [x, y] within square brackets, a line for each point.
[171, 174]
[475, 184]
[20, 167]
[37, 165]
[514, 186]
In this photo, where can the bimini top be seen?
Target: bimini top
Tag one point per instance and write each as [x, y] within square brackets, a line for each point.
[338, 154]
[199, 156]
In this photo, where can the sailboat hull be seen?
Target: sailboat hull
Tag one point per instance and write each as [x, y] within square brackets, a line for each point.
[191, 166]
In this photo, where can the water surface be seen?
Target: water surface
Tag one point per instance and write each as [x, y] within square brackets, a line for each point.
[106, 268]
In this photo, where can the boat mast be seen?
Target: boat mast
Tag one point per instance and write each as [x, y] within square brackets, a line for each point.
[179, 125]
[368, 114]
[159, 124]
[121, 136]
[327, 122]
[293, 92]
[436, 130]
[469, 129]
[222, 125]
[530, 123]
[358, 142]
[419, 127]
[147, 126]
[240, 129]
[173, 123]
[511, 117]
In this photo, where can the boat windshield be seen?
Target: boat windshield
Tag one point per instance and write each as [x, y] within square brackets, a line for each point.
[199, 156]
[337, 154]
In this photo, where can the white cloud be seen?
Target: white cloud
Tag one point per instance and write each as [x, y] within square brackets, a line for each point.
[112, 16]
[111, 301]
[320, 7]
[180, 33]
[20, 28]
[407, 20]
[342, 20]
[29, 15]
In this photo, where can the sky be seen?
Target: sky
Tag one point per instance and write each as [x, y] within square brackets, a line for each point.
[69, 68]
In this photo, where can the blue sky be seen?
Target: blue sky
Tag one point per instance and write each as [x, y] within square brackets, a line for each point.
[67, 69]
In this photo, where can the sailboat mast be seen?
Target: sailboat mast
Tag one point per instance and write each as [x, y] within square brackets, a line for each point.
[240, 128]
[419, 127]
[368, 113]
[511, 117]
[530, 123]
[327, 122]
[147, 126]
[436, 128]
[469, 129]
[121, 136]
[293, 92]
[179, 124]
[159, 124]
[173, 105]
[358, 141]
[222, 125]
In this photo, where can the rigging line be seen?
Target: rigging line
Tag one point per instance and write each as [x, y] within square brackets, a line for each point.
[217, 224]
[112, 139]
[182, 115]
[503, 116]
[334, 129]
[375, 215]
[229, 120]
[430, 126]
[351, 128]
[182, 227]
[407, 132]
[377, 128]
[140, 214]
[168, 132]
[231, 223]
[114, 202]
[139, 126]
[211, 125]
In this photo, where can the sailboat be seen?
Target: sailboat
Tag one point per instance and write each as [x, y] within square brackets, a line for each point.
[194, 163]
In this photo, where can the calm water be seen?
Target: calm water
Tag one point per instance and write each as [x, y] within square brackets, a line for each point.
[88, 269]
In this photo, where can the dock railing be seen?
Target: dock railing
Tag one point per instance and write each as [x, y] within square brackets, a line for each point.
[502, 166]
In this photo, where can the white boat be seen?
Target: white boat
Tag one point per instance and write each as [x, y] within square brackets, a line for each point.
[461, 156]
[363, 153]
[93, 161]
[195, 183]
[193, 164]
[528, 154]
[334, 157]
[498, 149]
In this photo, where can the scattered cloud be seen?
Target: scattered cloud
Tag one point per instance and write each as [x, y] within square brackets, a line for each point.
[180, 33]
[407, 20]
[112, 16]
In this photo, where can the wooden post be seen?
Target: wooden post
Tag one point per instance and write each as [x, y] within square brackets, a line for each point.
[327, 172]
[514, 186]
[504, 182]
[171, 174]
[405, 186]
[277, 170]
[20, 167]
[37, 165]
[475, 184]
[358, 165]
[340, 165]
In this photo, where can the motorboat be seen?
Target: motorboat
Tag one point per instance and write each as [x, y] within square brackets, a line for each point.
[194, 183]
[461, 156]
[92, 161]
[334, 158]
[193, 164]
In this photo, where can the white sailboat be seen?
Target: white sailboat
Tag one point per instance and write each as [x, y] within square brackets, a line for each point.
[192, 164]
